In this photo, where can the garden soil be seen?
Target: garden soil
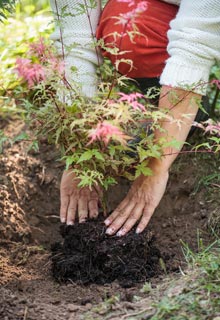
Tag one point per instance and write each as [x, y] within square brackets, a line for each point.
[34, 285]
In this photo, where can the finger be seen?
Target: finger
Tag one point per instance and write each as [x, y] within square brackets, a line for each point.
[147, 214]
[132, 219]
[120, 218]
[116, 212]
[93, 208]
[104, 212]
[71, 211]
[93, 204]
[63, 207]
[83, 211]
[99, 191]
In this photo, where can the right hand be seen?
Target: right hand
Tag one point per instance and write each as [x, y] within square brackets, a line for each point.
[75, 201]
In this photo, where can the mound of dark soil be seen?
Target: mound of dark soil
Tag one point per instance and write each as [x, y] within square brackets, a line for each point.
[88, 255]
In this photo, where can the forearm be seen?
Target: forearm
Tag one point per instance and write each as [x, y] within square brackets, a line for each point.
[182, 113]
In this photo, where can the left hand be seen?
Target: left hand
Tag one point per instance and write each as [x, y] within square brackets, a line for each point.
[139, 204]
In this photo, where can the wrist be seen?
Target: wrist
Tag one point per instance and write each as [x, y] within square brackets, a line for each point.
[159, 166]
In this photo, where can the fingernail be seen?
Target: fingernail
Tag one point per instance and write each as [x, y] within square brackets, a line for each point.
[70, 223]
[82, 221]
[109, 231]
[138, 230]
[107, 222]
[120, 233]
[62, 220]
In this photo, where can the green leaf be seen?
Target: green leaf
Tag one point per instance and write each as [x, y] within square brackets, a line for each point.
[3, 139]
[87, 155]
[173, 144]
[111, 150]
[33, 146]
[98, 155]
[21, 136]
[215, 139]
[143, 154]
[69, 161]
[89, 177]
[109, 181]
[153, 151]
[143, 169]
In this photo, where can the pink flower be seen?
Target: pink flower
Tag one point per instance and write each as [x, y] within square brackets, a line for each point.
[141, 7]
[57, 65]
[209, 126]
[216, 82]
[48, 59]
[105, 131]
[213, 128]
[128, 18]
[38, 48]
[31, 72]
[132, 99]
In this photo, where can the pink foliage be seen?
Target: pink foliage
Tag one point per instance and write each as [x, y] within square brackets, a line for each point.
[213, 128]
[132, 99]
[209, 126]
[49, 64]
[105, 131]
[57, 65]
[128, 18]
[38, 48]
[31, 72]
[216, 82]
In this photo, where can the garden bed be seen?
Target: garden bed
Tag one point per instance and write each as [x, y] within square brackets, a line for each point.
[29, 213]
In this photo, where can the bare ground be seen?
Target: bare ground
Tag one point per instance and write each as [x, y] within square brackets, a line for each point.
[29, 223]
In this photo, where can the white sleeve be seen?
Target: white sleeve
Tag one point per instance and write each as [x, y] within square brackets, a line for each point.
[194, 45]
[78, 33]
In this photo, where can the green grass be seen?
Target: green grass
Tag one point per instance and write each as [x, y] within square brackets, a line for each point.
[200, 296]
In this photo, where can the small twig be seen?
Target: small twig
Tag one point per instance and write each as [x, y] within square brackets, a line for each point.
[181, 271]
[213, 105]
[92, 33]
[60, 30]
[14, 186]
[189, 151]
[25, 313]
[215, 185]
[38, 229]
[43, 176]
[52, 216]
[62, 44]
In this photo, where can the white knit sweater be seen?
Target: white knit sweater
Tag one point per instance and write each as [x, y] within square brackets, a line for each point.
[194, 43]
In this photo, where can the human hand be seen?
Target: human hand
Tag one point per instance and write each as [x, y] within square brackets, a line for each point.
[139, 204]
[83, 201]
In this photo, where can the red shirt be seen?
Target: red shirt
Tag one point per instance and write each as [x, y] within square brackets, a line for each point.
[136, 32]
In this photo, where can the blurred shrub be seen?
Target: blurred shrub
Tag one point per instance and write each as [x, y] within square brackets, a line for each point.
[29, 21]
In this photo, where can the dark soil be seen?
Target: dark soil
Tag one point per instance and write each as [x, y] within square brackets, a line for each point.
[88, 255]
[29, 224]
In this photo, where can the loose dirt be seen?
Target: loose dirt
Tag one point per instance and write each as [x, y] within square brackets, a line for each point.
[29, 224]
[88, 255]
